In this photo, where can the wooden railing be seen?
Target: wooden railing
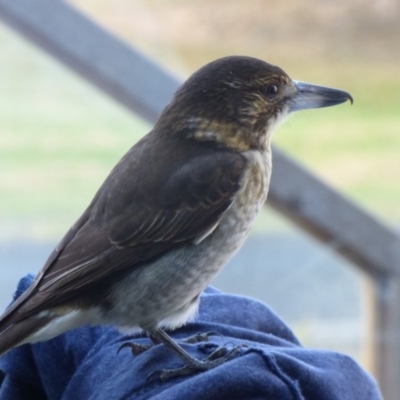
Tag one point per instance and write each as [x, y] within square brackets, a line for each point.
[144, 87]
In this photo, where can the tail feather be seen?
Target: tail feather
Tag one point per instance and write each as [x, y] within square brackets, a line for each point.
[14, 334]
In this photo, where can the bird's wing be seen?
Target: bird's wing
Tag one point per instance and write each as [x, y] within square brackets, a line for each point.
[145, 207]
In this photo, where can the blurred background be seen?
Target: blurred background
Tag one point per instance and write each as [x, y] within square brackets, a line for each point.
[59, 138]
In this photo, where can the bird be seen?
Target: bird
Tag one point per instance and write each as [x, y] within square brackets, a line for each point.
[170, 214]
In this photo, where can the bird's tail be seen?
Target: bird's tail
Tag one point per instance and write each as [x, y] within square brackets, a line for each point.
[14, 332]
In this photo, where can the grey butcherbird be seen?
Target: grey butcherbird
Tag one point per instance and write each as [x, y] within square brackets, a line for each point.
[171, 213]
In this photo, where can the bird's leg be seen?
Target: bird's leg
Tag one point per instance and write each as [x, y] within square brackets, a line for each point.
[137, 348]
[154, 339]
[192, 365]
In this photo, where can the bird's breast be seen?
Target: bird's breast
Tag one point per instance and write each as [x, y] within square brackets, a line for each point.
[238, 219]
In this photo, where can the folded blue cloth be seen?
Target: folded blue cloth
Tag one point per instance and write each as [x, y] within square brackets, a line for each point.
[84, 364]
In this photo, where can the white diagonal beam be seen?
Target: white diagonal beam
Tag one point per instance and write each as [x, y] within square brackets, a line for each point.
[332, 218]
[101, 58]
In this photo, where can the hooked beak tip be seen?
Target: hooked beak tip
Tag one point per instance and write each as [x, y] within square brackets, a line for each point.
[309, 96]
[351, 99]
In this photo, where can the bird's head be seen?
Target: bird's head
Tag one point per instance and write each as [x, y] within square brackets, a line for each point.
[238, 102]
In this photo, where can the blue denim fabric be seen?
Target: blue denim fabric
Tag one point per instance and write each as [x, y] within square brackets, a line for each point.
[84, 364]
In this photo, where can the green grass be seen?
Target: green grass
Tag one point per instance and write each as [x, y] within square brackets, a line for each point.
[59, 138]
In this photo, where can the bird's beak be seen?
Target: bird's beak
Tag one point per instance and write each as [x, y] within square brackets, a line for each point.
[309, 96]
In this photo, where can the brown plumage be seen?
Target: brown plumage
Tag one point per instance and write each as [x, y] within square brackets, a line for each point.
[171, 213]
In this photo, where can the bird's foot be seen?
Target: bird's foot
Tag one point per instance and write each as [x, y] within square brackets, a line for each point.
[136, 348]
[200, 337]
[215, 359]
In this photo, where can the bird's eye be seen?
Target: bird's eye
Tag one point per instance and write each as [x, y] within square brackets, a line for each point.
[272, 91]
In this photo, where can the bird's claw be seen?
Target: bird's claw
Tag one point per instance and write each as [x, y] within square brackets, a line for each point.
[200, 337]
[215, 359]
[136, 348]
